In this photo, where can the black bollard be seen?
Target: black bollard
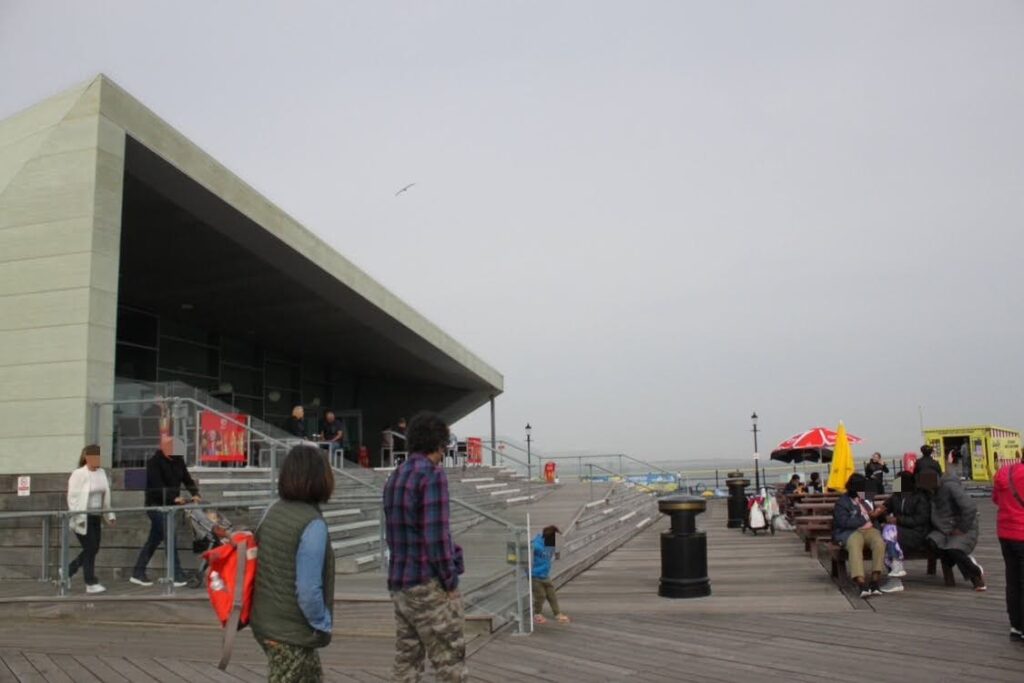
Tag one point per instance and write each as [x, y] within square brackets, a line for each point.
[684, 550]
[737, 500]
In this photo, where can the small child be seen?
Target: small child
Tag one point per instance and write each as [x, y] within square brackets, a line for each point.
[540, 576]
[893, 551]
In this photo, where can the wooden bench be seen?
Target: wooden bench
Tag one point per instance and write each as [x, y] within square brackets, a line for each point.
[809, 528]
[836, 558]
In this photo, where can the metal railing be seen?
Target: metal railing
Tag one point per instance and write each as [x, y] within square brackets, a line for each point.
[63, 518]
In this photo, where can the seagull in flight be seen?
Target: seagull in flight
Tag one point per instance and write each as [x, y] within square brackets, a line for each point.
[404, 189]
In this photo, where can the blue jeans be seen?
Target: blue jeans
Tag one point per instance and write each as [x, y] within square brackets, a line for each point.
[157, 534]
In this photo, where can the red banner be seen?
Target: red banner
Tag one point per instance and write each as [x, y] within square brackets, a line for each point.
[475, 450]
[222, 440]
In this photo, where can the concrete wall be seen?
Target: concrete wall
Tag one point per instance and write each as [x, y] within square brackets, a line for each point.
[61, 176]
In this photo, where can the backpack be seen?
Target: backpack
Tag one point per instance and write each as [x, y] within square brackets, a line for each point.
[229, 581]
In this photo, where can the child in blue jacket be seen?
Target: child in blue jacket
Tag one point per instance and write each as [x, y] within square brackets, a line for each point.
[540, 575]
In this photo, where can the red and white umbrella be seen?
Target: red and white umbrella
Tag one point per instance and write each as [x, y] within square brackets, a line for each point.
[815, 444]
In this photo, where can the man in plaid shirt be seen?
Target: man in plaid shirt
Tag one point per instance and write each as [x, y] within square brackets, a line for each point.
[424, 567]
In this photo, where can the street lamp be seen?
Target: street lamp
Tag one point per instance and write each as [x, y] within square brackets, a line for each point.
[757, 469]
[529, 461]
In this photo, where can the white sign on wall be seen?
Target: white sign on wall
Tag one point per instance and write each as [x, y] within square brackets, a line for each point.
[24, 486]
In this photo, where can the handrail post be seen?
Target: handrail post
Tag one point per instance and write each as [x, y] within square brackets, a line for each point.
[579, 467]
[591, 482]
[63, 580]
[44, 571]
[170, 542]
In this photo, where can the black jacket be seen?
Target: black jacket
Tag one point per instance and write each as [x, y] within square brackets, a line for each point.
[164, 477]
[295, 427]
[913, 511]
[923, 464]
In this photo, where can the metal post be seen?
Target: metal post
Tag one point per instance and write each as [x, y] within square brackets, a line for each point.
[716, 480]
[494, 442]
[591, 482]
[757, 471]
[44, 573]
[579, 467]
[64, 581]
[169, 542]
[620, 464]
[384, 552]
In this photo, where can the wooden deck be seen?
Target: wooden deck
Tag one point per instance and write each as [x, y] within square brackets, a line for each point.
[774, 613]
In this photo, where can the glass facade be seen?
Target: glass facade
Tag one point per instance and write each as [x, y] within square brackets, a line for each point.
[265, 383]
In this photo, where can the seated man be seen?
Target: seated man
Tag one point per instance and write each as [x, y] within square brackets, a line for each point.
[853, 527]
[794, 485]
[814, 483]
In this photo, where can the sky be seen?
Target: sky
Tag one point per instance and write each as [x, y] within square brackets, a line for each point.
[653, 218]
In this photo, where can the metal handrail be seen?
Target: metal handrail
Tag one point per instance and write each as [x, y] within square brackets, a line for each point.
[616, 474]
[273, 440]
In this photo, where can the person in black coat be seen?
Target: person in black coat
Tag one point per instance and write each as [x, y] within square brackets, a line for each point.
[165, 475]
[927, 462]
[910, 510]
[875, 471]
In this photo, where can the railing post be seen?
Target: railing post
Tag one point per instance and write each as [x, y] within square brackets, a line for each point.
[591, 498]
[44, 571]
[63, 580]
[620, 464]
[579, 467]
[169, 542]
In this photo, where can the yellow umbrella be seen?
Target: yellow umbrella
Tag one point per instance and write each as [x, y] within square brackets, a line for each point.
[842, 460]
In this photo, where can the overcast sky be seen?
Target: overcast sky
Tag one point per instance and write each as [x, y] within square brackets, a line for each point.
[652, 218]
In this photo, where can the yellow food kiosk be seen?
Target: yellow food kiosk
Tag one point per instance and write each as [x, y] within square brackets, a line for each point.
[985, 447]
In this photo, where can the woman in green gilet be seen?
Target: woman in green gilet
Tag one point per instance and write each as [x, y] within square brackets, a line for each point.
[293, 599]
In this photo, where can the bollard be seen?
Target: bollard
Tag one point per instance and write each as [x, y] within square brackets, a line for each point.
[737, 500]
[684, 550]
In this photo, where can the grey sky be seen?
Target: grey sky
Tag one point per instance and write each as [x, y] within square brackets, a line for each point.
[653, 218]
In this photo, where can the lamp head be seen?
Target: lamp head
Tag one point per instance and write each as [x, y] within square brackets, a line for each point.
[753, 418]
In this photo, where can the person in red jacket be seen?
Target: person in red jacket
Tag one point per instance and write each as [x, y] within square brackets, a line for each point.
[1008, 495]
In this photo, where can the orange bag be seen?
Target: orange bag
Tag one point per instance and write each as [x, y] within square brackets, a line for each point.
[229, 581]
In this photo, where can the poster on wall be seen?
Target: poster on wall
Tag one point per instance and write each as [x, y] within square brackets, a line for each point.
[220, 439]
[475, 450]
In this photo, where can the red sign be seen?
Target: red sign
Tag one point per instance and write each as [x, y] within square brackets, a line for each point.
[475, 450]
[222, 440]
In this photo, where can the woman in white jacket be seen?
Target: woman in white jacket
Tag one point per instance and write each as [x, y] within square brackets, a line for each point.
[88, 491]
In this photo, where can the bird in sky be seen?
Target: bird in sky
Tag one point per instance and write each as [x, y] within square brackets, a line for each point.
[404, 189]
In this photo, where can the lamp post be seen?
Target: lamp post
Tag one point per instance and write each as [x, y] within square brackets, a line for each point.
[529, 460]
[757, 469]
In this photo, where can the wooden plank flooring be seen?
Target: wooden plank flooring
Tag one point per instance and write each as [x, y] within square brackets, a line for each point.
[774, 615]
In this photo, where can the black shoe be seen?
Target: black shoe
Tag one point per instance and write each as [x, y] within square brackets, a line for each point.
[1016, 634]
[875, 588]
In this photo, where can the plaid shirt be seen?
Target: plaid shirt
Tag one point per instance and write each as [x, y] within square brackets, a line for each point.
[418, 535]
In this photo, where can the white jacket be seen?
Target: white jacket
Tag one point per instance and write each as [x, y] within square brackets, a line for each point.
[78, 498]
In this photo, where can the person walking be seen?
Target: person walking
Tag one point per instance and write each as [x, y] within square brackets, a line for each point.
[1008, 495]
[424, 563]
[540, 576]
[89, 493]
[293, 597]
[165, 475]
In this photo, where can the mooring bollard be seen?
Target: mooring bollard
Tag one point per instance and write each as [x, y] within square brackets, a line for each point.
[737, 485]
[684, 550]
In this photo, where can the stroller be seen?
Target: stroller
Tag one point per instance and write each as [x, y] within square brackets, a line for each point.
[209, 529]
[762, 511]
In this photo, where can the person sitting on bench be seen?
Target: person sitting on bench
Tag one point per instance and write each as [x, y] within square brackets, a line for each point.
[853, 527]
[795, 485]
[954, 518]
[814, 484]
[909, 510]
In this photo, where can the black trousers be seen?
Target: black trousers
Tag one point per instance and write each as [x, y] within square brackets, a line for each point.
[157, 534]
[962, 561]
[86, 559]
[1013, 557]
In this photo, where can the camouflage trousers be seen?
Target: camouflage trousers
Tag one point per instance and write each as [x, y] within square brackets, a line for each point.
[291, 663]
[428, 624]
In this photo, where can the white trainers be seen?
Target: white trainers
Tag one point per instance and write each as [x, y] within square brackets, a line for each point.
[892, 586]
[140, 581]
[96, 588]
[180, 583]
[898, 571]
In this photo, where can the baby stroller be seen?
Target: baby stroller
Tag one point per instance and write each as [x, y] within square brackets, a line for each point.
[209, 529]
[761, 513]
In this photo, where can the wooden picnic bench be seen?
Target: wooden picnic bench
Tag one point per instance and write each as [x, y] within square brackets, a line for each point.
[834, 557]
